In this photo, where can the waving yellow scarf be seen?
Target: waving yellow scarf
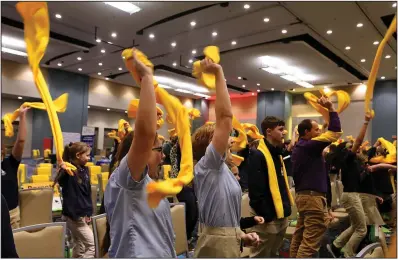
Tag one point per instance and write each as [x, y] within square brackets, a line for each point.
[113, 135]
[178, 114]
[132, 112]
[207, 79]
[252, 131]
[122, 127]
[343, 99]
[37, 32]
[240, 141]
[391, 156]
[60, 104]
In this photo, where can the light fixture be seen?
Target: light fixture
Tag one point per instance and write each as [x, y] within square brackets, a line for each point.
[98, 40]
[106, 78]
[125, 6]
[246, 6]
[394, 5]
[272, 70]
[114, 35]
[284, 31]
[290, 78]
[383, 77]
[329, 32]
[326, 90]
[375, 43]
[108, 109]
[266, 19]
[304, 84]
[110, 42]
[190, 61]
[362, 88]
[151, 35]
[103, 51]
[59, 64]
[173, 44]
[79, 69]
[100, 64]
[258, 84]
[214, 34]
[347, 47]
[174, 64]
[193, 23]
[14, 42]
[359, 25]
[125, 111]
[58, 16]
[363, 60]
[258, 90]
[15, 52]
[233, 42]
[252, 94]
[183, 91]
[272, 89]
[99, 73]
[120, 69]
[193, 51]
[88, 106]
[19, 97]
[243, 86]
[239, 77]
[79, 58]
[388, 56]
[176, 84]
[201, 95]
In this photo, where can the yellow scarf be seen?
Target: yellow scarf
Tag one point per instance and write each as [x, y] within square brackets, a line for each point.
[391, 156]
[132, 112]
[343, 99]
[376, 65]
[113, 135]
[240, 141]
[178, 114]
[37, 32]
[252, 131]
[122, 129]
[60, 106]
[207, 79]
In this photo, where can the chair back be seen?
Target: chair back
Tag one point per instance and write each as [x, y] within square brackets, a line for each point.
[105, 167]
[44, 170]
[94, 171]
[99, 230]
[41, 241]
[383, 241]
[94, 198]
[179, 226]
[102, 182]
[36, 206]
[21, 174]
[40, 178]
[88, 164]
[245, 206]
[334, 195]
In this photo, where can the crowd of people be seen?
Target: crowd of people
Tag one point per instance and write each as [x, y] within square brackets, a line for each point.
[271, 167]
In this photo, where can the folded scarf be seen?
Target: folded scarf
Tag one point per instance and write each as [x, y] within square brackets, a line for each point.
[207, 79]
[37, 36]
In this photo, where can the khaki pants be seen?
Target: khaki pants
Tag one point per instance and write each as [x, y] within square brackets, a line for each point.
[15, 218]
[311, 226]
[218, 242]
[271, 234]
[350, 239]
[82, 236]
[372, 213]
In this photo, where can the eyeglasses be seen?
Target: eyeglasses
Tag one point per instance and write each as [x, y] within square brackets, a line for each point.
[158, 149]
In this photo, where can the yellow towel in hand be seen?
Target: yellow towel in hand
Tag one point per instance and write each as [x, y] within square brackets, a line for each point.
[132, 112]
[207, 79]
[240, 141]
[376, 64]
[391, 157]
[37, 35]
[252, 131]
[113, 135]
[179, 116]
[60, 104]
[122, 125]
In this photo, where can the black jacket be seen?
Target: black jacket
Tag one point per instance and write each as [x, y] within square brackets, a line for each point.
[259, 192]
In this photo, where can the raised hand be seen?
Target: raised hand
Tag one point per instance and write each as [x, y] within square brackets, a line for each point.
[209, 66]
[141, 68]
[326, 103]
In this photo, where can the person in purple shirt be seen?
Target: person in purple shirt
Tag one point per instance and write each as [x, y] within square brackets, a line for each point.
[310, 178]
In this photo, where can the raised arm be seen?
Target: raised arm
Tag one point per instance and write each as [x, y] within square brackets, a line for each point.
[380, 166]
[223, 108]
[145, 123]
[17, 150]
[361, 135]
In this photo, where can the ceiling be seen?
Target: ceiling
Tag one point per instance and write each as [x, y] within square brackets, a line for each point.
[306, 44]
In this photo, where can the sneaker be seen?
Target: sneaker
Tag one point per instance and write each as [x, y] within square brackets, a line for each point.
[334, 251]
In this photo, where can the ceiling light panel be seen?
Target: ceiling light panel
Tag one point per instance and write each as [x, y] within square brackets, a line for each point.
[127, 7]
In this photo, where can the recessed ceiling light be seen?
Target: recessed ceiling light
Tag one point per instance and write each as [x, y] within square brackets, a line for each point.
[294, 89]
[190, 61]
[360, 25]
[103, 51]
[388, 56]
[272, 89]
[258, 90]
[79, 69]
[284, 31]
[239, 77]
[79, 58]
[19, 97]
[88, 106]
[233, 42]
[214, 34]
[246, 6]
[394, 5]
[175, 64]
[329, 32]
[174, 44]
[193, 23]
[383, 77]
[125, 111]
[99, 73]
[58, 16]
[125, 6]
[108, 109]
[193, 51]
[152, 36]
[114, 35]
[375, 43]
[107, 78]
[100, 64]
[258, 84]
[348, 48]
[59, 64]
[243, 86]
[252, 94]
[363, 60]
[266, 19]
[98, 40]
[110, 42]
[120, 68]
